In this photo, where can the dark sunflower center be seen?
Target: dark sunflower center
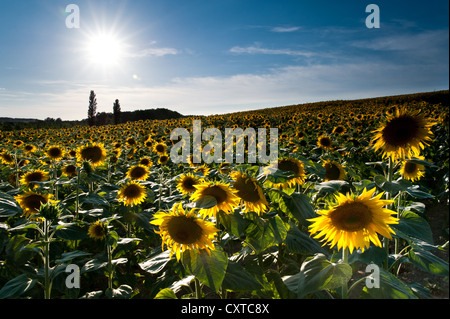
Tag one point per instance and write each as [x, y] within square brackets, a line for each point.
[217, 192]
[54, 152]
[351, 217]
[332, 172]
[160, 148]
[410, 167]
[33, 202]
[288, 166]
[325, 141]
[339, 129]
[98, 231]
[247, 190]
[132, 191]
[92, 153]
[184, 230]
[188, 184]
[35, 177]
[137, 172]
[401, 130]
[71, 169]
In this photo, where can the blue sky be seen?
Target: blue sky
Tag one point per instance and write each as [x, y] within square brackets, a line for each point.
[216, 56]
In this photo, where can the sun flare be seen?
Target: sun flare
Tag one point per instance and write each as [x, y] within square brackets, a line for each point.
[104, 49]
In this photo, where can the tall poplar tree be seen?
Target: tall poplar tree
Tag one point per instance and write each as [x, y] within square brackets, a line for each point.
[92, 108]
[116, 112]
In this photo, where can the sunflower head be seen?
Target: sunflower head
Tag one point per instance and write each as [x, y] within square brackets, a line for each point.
[404, 134]
[250, 193]
[138, 172]
[30, 202]
[55, 152]
[412, 170]
[186, 183]
[325, 142]
[30, 178]
[293, 166]
[333, 171]
[132, 194]
[225, 197]
[181, 231]
[354, 221]
[160, 148]
[97, 230]
[7, 158]
[93, 153]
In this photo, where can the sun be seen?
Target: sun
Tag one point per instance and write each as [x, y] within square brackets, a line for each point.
[104, 49]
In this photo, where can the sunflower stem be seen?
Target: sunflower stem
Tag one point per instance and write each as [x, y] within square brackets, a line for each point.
[47, 284]
[390, 174]
[345, 261]
[198, 291]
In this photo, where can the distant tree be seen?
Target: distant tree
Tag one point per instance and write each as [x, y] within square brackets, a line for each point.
[92, 108]
[116, 112]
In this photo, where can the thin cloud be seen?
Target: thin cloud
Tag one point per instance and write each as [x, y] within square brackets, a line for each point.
[258, 50]
[159, 52]
[285, 29]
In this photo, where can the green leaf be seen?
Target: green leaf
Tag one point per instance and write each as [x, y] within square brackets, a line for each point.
[428, 262]
[93, 265]
[238, 279]
[297, 206]
[413, 225]
[157, 263]
[166, 293]
[72, 231]
[390, 288]
[330, 186]
[318, 273]
[8, 205]
[205, 202]
[263, 234]
[209, 269]
[123, 292]
[415, 192]
[66, 257]
[300, 243]
[17, 286]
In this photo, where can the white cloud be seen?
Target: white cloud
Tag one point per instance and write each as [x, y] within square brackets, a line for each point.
[152, 52]
[259, 50]
[285, 29]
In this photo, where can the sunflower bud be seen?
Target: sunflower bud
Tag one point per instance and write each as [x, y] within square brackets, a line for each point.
[88, 168]
[50, 210]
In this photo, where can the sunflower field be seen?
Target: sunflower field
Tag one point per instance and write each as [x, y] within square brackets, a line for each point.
[103, 211]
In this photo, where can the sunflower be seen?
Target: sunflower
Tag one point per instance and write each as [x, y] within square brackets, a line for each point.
[290, 165]
[31, 202]
[339, 130]
[145, 161]
[7, 158]
[334, 171]
[138, 172]
[325, 142]
[224, 168]
[28, 148]
[29, 178]
[160, 148]
[202, 169]
[55, 152]
[226, 199]
[181, 231]
[411, 170]
[97, 230]
[69, 170]
[163, 159]
[354, 221]
[94, 153]
[186, 183]
[403, 135]
[132, 193]
[250, 192]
